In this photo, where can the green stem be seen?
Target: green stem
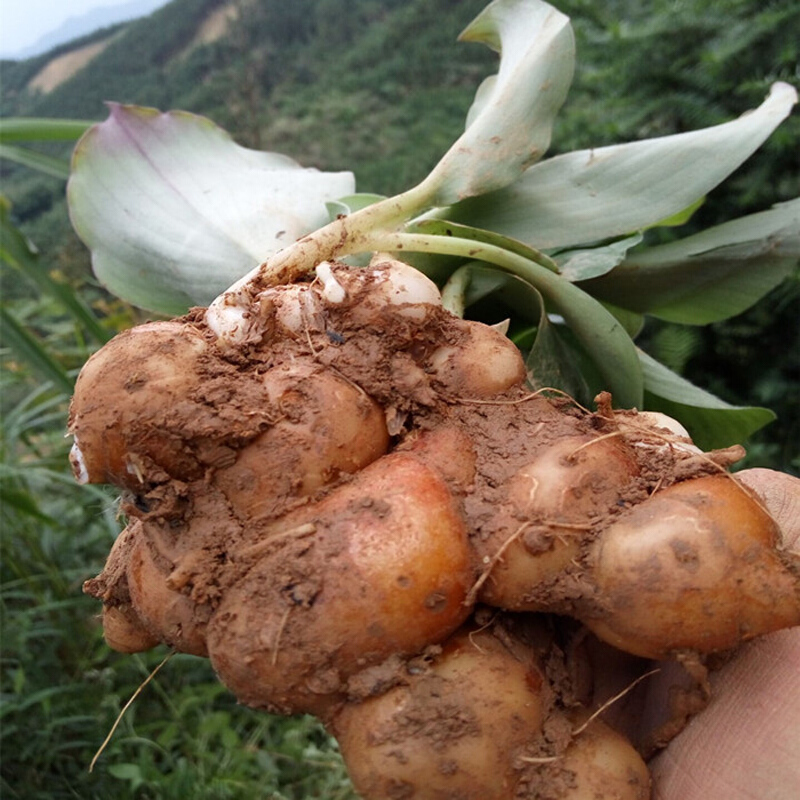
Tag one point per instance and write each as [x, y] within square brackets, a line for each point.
[431, 225]
[397, 242]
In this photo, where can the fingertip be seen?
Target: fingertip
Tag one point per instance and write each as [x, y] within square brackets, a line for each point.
[780, 494]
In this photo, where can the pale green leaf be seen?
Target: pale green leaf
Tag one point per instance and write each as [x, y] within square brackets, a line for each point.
[631, 321]
[581, 265]
[592, 195]
[510, 123]
[681, 217]
[351, 203]
[711, 422]
[712, 275]
[552, 364]
[174, 211]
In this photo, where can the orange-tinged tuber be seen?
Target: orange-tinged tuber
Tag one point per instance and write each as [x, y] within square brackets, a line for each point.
[695, 567]
[554, 503]
[127, 412]
[325, 427]
[484, 364]
[170, 614]
[362, 576]
[124, 630]
[598, 763]
[452, 728]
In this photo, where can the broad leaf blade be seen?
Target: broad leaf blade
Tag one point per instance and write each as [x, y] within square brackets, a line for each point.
[711, 422]
[710, 276]
[630, 320]
[681, 217]
[592, 195]
[174, 211]
[510, 124]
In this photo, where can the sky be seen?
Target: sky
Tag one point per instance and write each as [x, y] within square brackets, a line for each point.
[23, 22]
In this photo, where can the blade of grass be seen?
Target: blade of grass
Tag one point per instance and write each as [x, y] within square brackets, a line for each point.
[17, 253]
[50, 165]
[30, 350]
[17, 129]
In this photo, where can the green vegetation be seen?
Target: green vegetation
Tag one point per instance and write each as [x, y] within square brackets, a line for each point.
[381, 87]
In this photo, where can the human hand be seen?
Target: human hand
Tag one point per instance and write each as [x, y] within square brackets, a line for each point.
[746, 744]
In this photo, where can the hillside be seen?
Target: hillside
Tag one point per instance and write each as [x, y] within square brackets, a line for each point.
[61, 68]
[381, 87]
[389, 85]
[275, 75]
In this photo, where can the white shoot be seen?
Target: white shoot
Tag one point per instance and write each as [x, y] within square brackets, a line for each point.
[332, 290]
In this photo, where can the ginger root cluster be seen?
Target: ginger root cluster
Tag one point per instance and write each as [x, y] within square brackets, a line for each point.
[363, 512]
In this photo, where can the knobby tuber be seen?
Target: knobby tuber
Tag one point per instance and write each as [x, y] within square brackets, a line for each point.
[361, 511]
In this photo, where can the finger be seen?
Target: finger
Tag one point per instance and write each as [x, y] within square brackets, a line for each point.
[780, 493]
[746, 744]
